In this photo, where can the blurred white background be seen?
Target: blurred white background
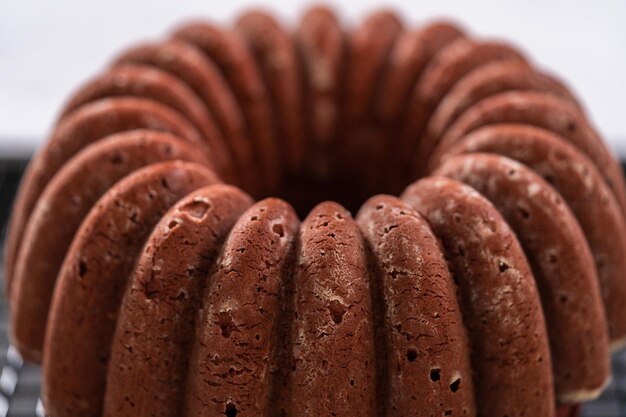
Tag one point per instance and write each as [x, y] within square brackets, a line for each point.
[48, 47]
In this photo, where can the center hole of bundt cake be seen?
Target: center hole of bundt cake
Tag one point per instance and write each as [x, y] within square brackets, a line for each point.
[305, 190]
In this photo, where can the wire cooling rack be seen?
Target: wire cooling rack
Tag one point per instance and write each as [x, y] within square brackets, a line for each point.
[20, 382]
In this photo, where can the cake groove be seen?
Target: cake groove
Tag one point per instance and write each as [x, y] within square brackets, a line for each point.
[90, 123]
[561, 261]
[151, 83]
[422, 321]
[233, 58]
[233, 349]
[202, 75]
[277, 58]
[580, 184]
[488, 80]
[61, 209]
[498, 297]
[93, 279]
[544, 111]
[163, 297]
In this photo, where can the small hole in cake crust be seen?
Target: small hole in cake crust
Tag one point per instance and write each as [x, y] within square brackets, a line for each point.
[571, 126]
[552, 258]
[352, 382]
[129, 401]
[337, 310]
[523, 212]
[82, 268]
[231, 410]
[549, 179]
[411, 355]
[389, 228]
[563, 298]
[196, 208]
[435, 374]
[503, 266]
[117, 159]
[455, 384]
[278, 229]
[226, 323]
[173, 224]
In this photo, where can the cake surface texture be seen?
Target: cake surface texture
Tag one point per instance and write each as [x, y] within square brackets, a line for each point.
[325, 220]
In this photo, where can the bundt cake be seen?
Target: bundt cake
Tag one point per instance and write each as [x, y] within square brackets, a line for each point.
[157, 263]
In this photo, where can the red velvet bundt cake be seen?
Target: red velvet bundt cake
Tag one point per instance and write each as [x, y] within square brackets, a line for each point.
[147, 280]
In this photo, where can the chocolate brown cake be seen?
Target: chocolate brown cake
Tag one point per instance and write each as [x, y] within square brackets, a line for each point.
[157, 263]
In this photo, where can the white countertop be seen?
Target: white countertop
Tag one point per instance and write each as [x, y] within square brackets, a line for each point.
[48, 47]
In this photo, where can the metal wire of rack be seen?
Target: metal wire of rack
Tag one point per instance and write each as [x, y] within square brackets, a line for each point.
[20, 382]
